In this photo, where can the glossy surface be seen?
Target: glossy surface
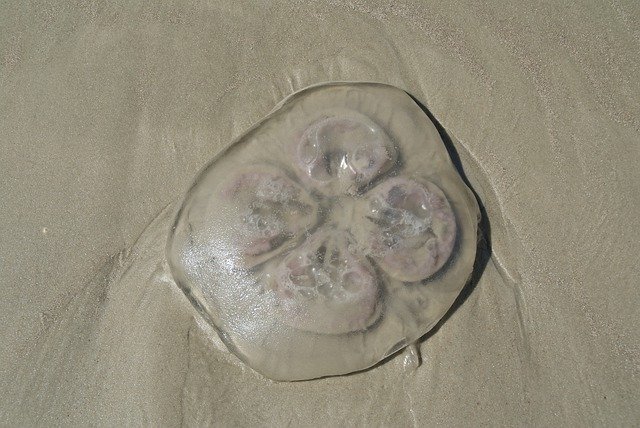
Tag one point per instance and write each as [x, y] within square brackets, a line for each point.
[330, 235]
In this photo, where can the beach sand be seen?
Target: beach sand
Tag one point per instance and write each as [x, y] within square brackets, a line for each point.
[108, 110]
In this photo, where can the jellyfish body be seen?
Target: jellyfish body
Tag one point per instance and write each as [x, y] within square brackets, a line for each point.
[330, 235]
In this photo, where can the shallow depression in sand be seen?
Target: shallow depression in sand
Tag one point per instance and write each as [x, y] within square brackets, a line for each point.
[331, 234]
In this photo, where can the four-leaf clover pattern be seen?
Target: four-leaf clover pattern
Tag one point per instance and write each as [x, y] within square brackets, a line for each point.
[332, 229]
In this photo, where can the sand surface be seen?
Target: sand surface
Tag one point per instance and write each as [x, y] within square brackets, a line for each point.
[108, 110]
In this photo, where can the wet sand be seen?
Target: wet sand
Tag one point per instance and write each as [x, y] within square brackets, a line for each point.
[109, 110]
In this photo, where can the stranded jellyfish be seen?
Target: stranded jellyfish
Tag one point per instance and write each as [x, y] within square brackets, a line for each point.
[329, 236]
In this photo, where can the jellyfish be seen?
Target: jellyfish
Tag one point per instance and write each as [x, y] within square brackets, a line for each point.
[332, 234]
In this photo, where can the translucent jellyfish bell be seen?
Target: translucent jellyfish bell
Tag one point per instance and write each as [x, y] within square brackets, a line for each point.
[332, 234]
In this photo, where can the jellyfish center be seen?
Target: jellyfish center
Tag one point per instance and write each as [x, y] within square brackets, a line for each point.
[341, 213]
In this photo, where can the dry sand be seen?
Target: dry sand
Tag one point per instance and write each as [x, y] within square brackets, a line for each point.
[108, 111]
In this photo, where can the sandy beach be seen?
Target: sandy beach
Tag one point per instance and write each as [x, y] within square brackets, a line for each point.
[108, 111]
